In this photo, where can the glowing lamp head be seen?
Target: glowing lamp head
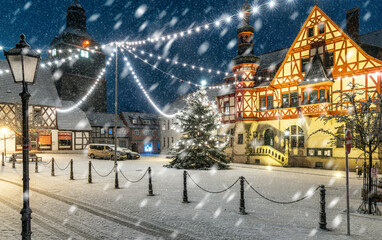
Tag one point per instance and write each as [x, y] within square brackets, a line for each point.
[203, 83]
[86, 43]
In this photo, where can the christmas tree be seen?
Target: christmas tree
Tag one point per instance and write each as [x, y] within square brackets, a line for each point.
[200, 147]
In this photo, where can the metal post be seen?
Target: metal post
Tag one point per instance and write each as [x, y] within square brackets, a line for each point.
[2, 159]
[242, 201]
[116, 184]
[90, 173]
[13, 162]
[151, 193]
[347, 194]
[5, 144]
[322, 221]
[71, 169]
[185, 197]
[36, 166]
[369, 192]
[52, 172]
[26, 212]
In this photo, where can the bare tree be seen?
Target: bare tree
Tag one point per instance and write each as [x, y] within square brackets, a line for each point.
[359, 111]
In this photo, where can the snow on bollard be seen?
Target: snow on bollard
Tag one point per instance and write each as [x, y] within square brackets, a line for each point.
[242, 201]
[52, 172]
[151, 193]
[71, 170]
[90, 172]
[322, 221]
[185, 197]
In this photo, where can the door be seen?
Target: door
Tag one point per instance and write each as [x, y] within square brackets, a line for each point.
[134, 147]
[269, 138]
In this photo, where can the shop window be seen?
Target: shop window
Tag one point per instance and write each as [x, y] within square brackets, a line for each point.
[310, 32]
[304, 64]
[295, 136]
[226, 108]
[45, 142]
[270, 102]
[65, 141]
[329, 59]
[313, 97]
[19, 142]
[240, 139]
[321, 28]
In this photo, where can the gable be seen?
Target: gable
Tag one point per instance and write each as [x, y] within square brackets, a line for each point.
[348, 58]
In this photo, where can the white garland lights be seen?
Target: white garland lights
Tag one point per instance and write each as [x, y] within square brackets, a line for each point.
[144, 91]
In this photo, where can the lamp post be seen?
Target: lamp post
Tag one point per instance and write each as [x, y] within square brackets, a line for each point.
[4, 131]
[24, 62]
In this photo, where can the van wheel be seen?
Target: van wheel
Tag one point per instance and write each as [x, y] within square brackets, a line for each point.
[92, 156]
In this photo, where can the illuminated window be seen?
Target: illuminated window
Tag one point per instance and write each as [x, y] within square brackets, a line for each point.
[269, 102]
[226, 108]
[263, 103]
[102, 131]
[146, 121]
[310, 32]
[304, 64]
[54, 52]
[295, 136]
[148, 147]
[110, 131]
[313, 97]
[84, 54]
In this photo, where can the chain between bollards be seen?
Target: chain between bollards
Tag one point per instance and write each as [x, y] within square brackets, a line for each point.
[13, 162]
[242, 201]
[2, 159]
[36, 166]
[71, 170]
[322, 221]
[185, 197]
[52, 172]
[90, 173]
[151, 193]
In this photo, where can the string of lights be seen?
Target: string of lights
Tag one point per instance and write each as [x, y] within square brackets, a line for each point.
[182, 64]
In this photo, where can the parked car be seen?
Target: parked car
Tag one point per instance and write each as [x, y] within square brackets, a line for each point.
[131, 154]
[105, 151]
[19, 157]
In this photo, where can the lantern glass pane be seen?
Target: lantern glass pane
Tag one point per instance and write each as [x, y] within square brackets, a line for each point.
[30, 67]
[15, 64]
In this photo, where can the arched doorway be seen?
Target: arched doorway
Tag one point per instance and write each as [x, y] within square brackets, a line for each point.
[269, 138]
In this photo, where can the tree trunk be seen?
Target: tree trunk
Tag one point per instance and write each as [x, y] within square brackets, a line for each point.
[370, 179]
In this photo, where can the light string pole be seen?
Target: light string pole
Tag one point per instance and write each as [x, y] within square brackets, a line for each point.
[116, 184]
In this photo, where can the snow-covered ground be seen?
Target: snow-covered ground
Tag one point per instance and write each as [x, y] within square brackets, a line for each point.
[74, 209]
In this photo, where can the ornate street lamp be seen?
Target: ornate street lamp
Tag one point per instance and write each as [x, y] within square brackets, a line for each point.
[24, 62]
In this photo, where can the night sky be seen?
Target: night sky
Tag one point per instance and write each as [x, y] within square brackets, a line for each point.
[111, 20]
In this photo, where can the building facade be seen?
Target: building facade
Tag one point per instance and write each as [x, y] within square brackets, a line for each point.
[271, 110]
[74, 78]
[143, 131]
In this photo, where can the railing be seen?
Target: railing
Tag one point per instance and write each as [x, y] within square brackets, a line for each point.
[293, 112]
[271, 152]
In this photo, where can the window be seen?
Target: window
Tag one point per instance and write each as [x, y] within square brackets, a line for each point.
[102, 131]
[239, 99]
[134, 121]
[310, 32]
[54, 52]
[295, 136]
[110, 131]
[321, 28]
[145, 121]
[270, 102]
[322, 96]
[240, 139]
[313, 97]
[319, 152]
[329, 59]
[164, 142]
[226, 108]
[263, 103]
[304, 64]
[305, 97]
[148, 132]
[164, 125]
[148, 147]
[293, 99]
[136, 132]
[84, 54]
[285, 100]
[64, 140]
[37, 117]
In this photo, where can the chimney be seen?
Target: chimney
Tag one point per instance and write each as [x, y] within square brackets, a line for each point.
[352, 23]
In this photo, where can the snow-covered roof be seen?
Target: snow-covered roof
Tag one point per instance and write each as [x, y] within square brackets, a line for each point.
[372, 38]
[43, 92]
[104, 120]
[74, 120]
[130, 116]
[270, 60]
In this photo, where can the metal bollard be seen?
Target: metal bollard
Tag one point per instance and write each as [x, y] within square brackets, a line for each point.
[36, 166]
[150, 184]
[71, 169]
[90, 173]
[185, 197]
[13, 162]
[2, 159]
[242, 201]
[52, 172]
[322, 221]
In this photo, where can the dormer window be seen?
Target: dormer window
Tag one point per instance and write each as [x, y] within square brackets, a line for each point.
[304, 64]
[54, 52]
[310, 32]
[146, 121]
[134, 121]
[84, 54]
